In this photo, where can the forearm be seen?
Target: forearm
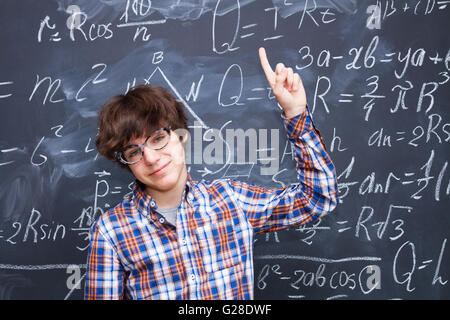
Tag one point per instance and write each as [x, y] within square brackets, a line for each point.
[315, 169]
[294, 111]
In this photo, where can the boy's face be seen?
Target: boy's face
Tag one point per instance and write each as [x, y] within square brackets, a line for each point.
[161, 170]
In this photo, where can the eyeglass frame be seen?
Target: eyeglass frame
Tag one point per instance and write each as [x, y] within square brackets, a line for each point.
[119, 154]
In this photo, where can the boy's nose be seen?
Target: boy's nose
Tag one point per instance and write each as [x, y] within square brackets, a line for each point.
[151, 156]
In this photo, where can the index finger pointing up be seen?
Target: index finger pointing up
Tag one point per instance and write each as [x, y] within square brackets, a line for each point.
[270, 75]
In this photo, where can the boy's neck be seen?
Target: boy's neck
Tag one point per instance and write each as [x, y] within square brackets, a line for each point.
[170, 198]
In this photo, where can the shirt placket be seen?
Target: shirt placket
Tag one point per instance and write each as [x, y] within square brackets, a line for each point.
[187, 240]
[157, 218]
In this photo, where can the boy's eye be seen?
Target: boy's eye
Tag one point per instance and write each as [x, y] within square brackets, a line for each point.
[158, 138]
[132, 153]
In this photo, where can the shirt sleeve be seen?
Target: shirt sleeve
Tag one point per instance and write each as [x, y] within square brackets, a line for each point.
[313, 196]
[105, 273]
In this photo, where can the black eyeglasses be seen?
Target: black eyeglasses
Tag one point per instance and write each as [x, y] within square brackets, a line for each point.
[135, 152]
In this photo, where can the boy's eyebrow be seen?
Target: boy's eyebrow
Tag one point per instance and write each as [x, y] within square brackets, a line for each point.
[131, 141]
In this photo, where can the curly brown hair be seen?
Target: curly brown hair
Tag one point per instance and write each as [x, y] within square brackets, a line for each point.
[139, 112]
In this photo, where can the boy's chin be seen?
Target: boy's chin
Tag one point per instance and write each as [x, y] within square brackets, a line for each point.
[163, 184]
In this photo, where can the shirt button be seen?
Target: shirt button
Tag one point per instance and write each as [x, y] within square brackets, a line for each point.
[192, 277]
[183, 242]
[152, 203]
[161, 220]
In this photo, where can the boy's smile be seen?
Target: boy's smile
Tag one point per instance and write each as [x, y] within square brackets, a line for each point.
[161, 171]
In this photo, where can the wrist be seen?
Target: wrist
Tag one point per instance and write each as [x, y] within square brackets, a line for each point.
[291, 113]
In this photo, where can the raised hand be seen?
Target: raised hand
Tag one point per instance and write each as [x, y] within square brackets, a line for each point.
[286, 85]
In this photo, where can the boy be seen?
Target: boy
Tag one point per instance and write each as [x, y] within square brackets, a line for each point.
[175, 238]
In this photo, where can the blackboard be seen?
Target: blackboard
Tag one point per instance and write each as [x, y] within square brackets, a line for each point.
[376, 74]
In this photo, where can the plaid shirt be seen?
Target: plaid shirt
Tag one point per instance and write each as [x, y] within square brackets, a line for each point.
[136, 254]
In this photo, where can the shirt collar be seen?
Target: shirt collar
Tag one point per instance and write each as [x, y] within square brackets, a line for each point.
[146, 205]
[190, 192]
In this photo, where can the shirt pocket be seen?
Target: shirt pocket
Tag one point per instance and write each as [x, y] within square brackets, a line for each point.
[219, 246]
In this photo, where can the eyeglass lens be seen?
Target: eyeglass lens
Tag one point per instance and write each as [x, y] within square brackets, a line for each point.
[156, 141]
